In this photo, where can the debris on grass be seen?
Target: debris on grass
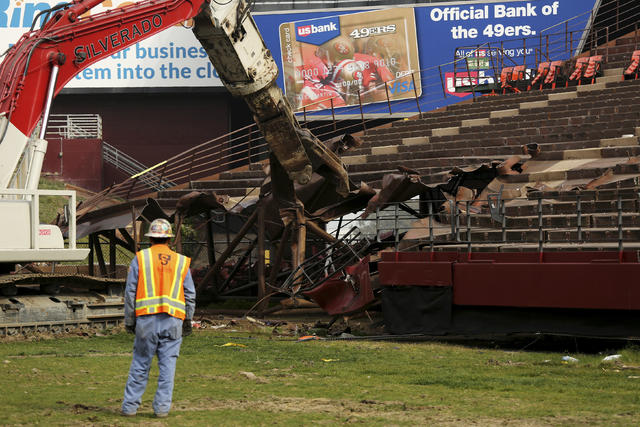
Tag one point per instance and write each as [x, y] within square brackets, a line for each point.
[255, 321]
[253, 377]
[308, 338]
[248, 375]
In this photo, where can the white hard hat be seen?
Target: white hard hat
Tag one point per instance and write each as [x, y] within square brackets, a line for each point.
[159, 228]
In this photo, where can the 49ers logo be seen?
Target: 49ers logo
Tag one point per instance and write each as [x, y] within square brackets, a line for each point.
[164, 258]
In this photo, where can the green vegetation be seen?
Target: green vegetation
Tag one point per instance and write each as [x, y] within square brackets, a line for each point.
[264, 380]
[51, 205]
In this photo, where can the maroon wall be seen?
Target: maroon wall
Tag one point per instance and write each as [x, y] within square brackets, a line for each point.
[77, 161]
[152, 127]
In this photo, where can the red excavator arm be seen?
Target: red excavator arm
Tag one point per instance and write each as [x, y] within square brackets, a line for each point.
[44, 60]
[71, 42]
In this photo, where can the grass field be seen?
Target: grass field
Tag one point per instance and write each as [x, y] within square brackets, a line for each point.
[240, 378]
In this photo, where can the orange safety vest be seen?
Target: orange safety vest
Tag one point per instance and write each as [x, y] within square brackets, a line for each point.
[160, 281]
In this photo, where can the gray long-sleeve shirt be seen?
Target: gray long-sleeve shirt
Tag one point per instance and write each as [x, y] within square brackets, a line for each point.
[132, 287]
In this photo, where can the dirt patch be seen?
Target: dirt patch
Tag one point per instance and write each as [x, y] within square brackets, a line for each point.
[393, 412]
[293, 326]
[82, 331]
[347, 410]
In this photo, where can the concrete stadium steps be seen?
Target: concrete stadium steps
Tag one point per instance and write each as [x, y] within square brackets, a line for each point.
[254, 174]
[595, 151]
[219, 184]
[627, 189]
[583, 108]
[556, 235]
[560, 131]
[417, 159]
[567, 170]
[529, 208]
[176, 194]
[531, 247]
[428, 176]
[550, 151]
[587, 220]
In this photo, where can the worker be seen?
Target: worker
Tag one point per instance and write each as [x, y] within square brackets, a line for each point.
[159, 305]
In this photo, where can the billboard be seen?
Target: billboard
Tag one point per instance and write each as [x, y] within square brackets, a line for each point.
[346, 60]
[431, 35]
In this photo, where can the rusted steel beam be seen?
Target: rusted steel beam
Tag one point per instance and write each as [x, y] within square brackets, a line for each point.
[112, 253]
[318, 231]
[275, 264]
[262, 286]
[91, 253]
[298, 245]
[128, 240]
[295, 217]
[230, 248]
[98, 249]
[238, 264]
[134, 224]
[211, 246]
[110, 234]
[178, 229]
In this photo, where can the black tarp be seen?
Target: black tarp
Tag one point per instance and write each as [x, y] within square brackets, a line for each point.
[417, 309]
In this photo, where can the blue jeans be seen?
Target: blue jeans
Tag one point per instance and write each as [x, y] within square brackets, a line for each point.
[159, 334]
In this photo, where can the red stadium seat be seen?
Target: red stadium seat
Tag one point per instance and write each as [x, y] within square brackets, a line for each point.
[543, 70]
[505, 78]
[510, 76]
[579, 69]
[594, 68]
[633, 69]
[555, 72]
[518, 73]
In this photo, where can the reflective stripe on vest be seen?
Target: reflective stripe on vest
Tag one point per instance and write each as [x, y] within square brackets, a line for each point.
[160, 281]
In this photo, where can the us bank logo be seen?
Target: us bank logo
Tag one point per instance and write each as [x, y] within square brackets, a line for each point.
[317, 31]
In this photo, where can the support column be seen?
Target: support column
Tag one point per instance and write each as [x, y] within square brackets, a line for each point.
[262, 287]
[211, 248]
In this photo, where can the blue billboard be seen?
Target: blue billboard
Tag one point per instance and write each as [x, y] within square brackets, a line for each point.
[522, 32]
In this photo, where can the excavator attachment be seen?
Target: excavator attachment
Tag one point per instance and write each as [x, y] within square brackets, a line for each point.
[231, 38]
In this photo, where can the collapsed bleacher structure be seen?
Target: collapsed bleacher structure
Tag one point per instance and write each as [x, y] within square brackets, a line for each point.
[518, 211]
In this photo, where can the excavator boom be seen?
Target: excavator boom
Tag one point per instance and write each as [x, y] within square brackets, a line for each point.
[44, 60]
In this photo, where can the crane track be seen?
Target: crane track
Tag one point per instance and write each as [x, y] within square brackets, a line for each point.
[13, 329]
[57, 303]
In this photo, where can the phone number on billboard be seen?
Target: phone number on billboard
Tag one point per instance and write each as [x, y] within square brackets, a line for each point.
[372, 31]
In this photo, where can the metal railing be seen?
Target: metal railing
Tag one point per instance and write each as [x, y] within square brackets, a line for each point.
[74, 126]
[323, 265]
[124, 162]
[582, 220]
